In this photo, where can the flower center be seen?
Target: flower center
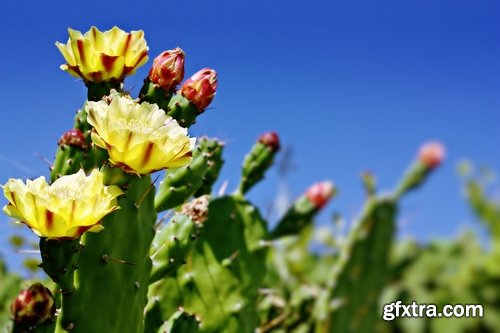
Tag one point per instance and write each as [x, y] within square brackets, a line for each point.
[133, 125]
[66, 192]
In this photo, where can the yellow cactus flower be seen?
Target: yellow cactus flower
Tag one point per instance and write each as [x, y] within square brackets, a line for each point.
[140, 138]
[66, 209]
[100, 56]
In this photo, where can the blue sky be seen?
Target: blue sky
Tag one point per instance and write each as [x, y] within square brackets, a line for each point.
[349, 85]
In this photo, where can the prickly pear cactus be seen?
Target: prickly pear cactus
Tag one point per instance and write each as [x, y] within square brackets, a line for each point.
[220, 279]
[216, 265]
[360, 273]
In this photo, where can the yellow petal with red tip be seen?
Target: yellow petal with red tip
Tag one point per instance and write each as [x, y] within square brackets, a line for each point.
[103, 56]
[139, 138]
[64, 210]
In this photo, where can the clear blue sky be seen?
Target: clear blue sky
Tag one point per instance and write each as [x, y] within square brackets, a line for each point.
[350, 85]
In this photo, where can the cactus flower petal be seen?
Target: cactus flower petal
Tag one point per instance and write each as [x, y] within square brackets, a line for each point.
[320, 193]
[270, 139]
[168, 69]
[139, 138]
[200, 88]
[33, 306]
[432, 154]
[66, 209]
[100, 56]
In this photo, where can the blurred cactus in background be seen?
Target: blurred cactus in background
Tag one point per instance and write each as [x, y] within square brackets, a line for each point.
[213, 263]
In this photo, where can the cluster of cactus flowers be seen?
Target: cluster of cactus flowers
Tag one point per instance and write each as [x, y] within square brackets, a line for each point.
[117, 267]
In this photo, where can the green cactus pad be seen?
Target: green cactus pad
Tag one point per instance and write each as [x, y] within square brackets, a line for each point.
[172, 245]
[298, 216]
[182, 110]
[155, 95]
[220, 281]
[59, 261]
[114, 267]
[180, 184]
[360, 274]
[255, 165]
[180, 322]
[214, 150]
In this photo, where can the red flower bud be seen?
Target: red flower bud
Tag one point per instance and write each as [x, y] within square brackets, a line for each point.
[431, 154]
[200, 88]
[168, 69]
[73, 137]
[33, 306]
[320, 193]
[270, 139]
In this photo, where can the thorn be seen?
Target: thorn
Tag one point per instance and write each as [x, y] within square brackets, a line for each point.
[156, 179]
[44, 159]
[107, 258]
[27, 251]
[150, 187]
[223, 188]
[160, 221]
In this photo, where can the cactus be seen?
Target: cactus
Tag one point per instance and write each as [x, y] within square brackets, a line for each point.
[215, 266]
[172, 245]
[180, 322]
[258, 161]
[360, 273]
[301, 213]
[220, 279]
[180, 184]
[104, 260]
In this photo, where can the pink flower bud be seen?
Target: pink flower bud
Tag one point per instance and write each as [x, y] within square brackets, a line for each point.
[33, 306]
[200, 88]
[320, 193]
[73, 137]
[270, 139]
[168, 69]
[431, 154]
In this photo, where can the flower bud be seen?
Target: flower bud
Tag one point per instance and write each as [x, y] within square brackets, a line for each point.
[200, 88]
[168, 69]
[73, 137]
[33, 306]
[431, 154]
[320, 193]
[270, 139]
